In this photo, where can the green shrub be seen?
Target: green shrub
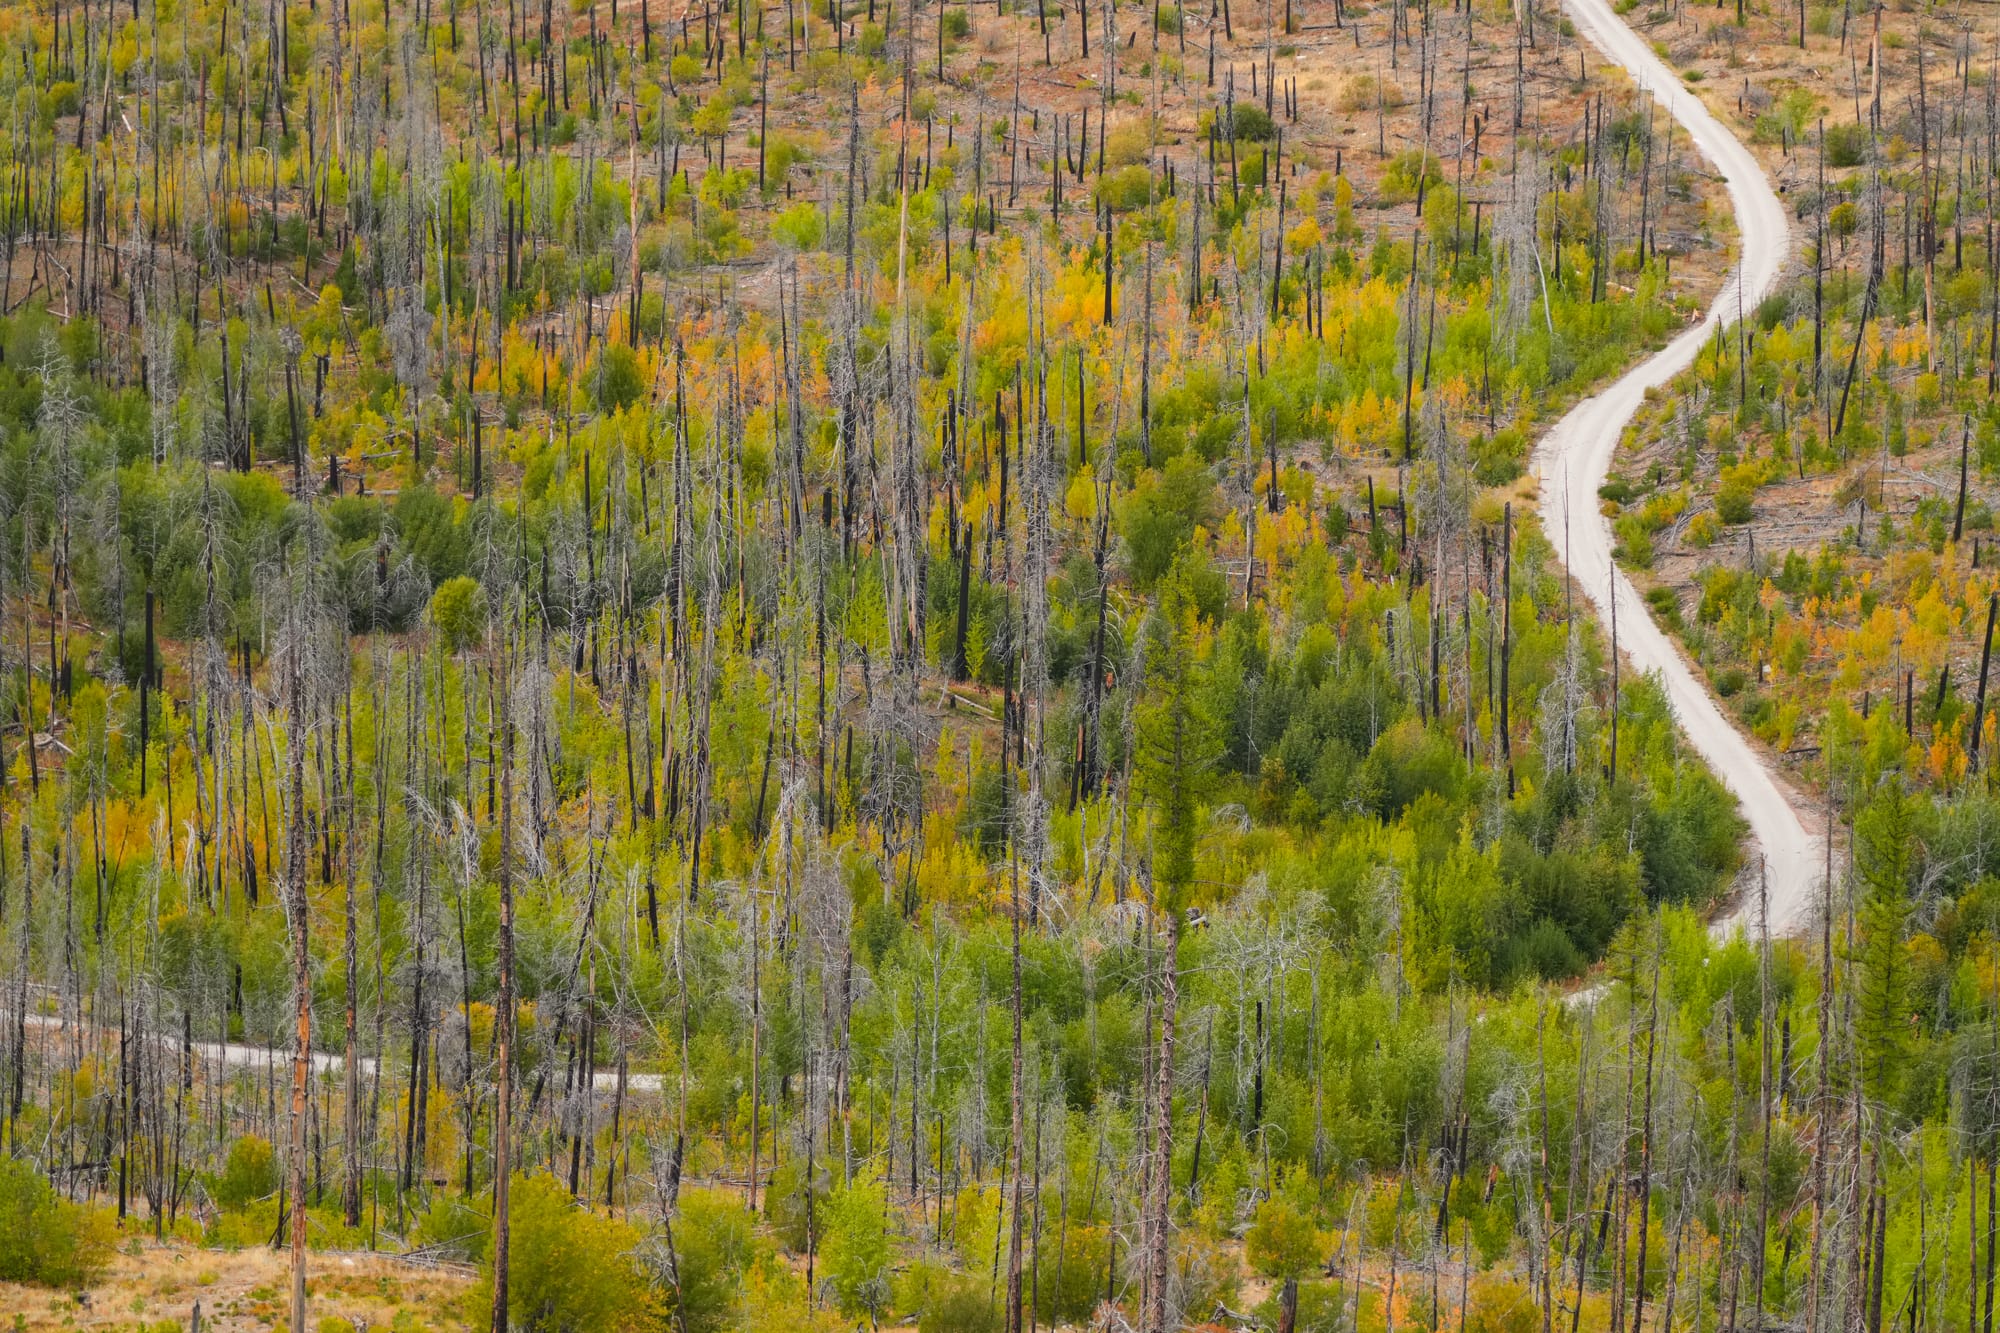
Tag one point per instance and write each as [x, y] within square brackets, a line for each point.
[964, 1308]
[857, 1251]
[800, 227]
[250, 1173]
[1846, 145]
[44, 1239]
[1126, 189]
[458, 609]
[453, 1228]
[569, 1270]
[713, 1245]
[1252, 122]
[1406, 171]
[1071, 1277]
[1282, 1242]
[1635, 544]
[619, 382]
[1161, 513]
[1844, 219]
[1733, 501]
[429, 526]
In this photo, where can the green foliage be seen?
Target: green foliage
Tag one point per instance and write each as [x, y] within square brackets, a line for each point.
[1162, 513]
[1177, 744]
[856, 1251]
[1407, 172]
[430, 528]
[1688, 841]
[1251, 122]
[1733, 502]
[458, 611]
[713, 1247]
[570, 1270]
[1126, 189]
[1283, 1242]
[46, 1240]
[619, 382]
[801, 227]
[1884, 854]
[1846, 145]
[1501, 1304]
[249, 1174]
[453, 1227]
[944, 1303]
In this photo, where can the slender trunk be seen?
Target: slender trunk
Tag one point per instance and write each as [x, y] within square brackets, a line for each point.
[1163, 1131]
[295, 875]
[503, 1015]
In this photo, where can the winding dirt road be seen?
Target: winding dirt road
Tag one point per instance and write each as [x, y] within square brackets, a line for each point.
[1574, 457]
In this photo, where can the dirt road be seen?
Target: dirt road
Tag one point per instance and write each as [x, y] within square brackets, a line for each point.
[1573, 458]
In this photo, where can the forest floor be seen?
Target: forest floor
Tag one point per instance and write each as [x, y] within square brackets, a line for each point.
[155, 1288]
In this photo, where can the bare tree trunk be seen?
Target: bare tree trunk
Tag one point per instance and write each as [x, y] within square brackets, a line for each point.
[1160, 1205]
[1014, 1322]
[295, 875]
[503, 1012]
[350, 1120]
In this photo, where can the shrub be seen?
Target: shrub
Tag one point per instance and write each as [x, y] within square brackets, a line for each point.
[1733, 501]
[780, 155]
[963, 1307]
[1126, 189]
[1687, 841]
[44, 1239]
[1363, 91]
[1406, 762]
[250, 1173]
[1072, 1275]
[1160, 515]
[1282, 1241]
[458, 609]
[1500, 1304]
[1635, 544]
[714, 1244]
[1252, 122]
[1844, 219]
[1130, 142]
[453, 1228]
[569, 1270]
[1406, 171]
[801, 227]
[857, 1248]
[428, 525]
[1846, 145]
[619, 380]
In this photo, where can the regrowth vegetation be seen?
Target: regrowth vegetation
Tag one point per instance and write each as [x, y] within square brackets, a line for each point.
[769, 667]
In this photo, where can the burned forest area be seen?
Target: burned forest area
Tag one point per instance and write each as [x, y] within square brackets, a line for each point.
[704, 665]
